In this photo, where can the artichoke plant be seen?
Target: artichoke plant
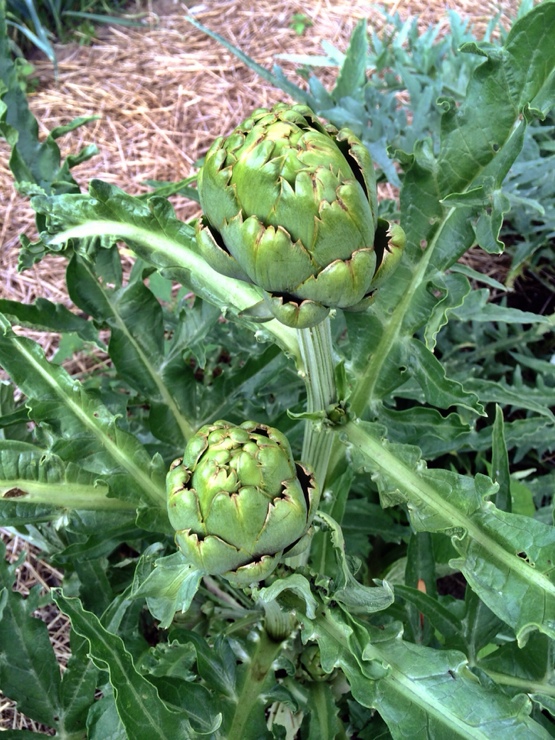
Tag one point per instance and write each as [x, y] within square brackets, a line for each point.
[289, 204]
[238, 502]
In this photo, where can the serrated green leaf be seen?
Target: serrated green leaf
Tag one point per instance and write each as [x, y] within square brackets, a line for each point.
[201, 706]
[536, 432]
[352, 75]
[241, 686]
[103, 722]
[63, 399]
[323, 721]
[439, 390]
[541, 366]
[296, 583]
[363, 518]
[446, 623]
[448, 701]
[173, 659]
[500, 463]
[13, 416]
[155, 234]
[480, 625]
[137, 342]
[479, 142]
[545, 702]
[192, 327]
[539, 400]
[139, 706]
[29, 672]
[532, 667]
[77, 691]
[425, 427]
[478, 277]
[94, 586]
[36, 485]
[454, 289]
[355, 596]
[476, 308]
[490, 220]
[389, 674]
[169, 584]
[97, 535]
[217, 666]
[506, 558]
[48, 316]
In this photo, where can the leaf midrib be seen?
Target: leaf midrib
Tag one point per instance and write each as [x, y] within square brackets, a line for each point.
[153, 492]
[406, 477]
[186, 429]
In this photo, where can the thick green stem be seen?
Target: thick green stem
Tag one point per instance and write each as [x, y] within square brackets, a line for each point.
[254, 680]
[316, 353]
[279, 624]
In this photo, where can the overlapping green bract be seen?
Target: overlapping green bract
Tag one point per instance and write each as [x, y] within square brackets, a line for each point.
[290, 205]
[238, 501]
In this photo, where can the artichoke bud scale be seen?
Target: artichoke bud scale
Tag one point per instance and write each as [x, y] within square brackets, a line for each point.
[210, 554]
[339, 235]
[343, 283]
[216, 253]
[215, 478]
[296, 313]
[256, 570]
[273, 260]
[217, 196]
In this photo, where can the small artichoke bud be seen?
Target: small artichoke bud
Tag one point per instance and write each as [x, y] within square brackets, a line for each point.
[290, 205]
[312, 665]
[238, 502]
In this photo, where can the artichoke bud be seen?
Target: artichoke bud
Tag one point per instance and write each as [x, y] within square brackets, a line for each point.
[238, 502]
[290, 205]
[338, 414]
[311, 664]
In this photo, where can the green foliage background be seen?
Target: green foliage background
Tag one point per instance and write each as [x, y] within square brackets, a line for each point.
[443, 467]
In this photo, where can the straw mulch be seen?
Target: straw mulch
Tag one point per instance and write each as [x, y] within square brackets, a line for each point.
[162, 94]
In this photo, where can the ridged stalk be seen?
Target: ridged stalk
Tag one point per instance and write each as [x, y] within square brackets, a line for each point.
[249, 699]
[316, 353]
